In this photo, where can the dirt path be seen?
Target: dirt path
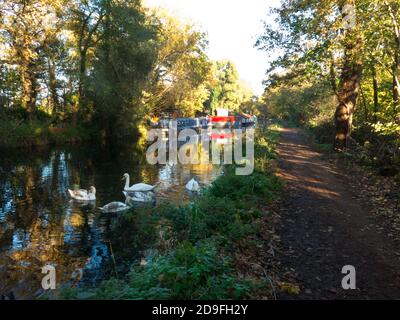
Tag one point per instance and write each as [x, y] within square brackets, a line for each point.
[324, 228]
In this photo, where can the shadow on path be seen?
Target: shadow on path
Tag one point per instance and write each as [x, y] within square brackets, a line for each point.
[323, 228]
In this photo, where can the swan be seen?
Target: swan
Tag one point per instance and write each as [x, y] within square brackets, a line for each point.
[114, 207]
[193, 185]
[139, 187]
[83, 195]
[139, 196]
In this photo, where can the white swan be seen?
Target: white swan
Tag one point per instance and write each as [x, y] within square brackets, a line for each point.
[114, 207]
[83, 195]
[139, 187]
[193, 185]
[139, 196]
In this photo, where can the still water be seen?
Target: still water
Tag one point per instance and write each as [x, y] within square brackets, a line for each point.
[40, 225]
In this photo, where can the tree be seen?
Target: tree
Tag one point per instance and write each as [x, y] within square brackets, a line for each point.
[322, 38]
[354, 45]
[28, 27]
[84, 20]
[393, 9]
[123, 60]
[226, 90]
[182, 69]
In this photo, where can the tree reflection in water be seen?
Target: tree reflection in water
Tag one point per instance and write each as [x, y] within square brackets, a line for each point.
[39, 224]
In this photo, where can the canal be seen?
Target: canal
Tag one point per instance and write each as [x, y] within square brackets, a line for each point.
[40, 225]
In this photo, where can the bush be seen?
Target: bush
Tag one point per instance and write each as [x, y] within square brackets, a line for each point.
[256, 187]
[18, 133]
[188, 272]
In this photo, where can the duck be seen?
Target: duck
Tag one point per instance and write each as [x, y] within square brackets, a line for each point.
[139, 196]
[114, 207]
[193, 185]
[83, 195]
[139, 187]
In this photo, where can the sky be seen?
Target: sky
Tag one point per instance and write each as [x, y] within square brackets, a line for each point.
[232, 27]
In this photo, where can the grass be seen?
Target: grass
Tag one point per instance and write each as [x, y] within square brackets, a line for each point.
[17, 131]
[196, 244]
[38, 133]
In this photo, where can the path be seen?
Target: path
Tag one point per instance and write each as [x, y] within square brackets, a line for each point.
[324, 228]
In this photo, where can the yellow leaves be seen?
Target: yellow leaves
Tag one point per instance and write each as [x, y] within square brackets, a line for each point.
[30, 26]
[143, 133]
[73, 54]
[386, 128]
[193, 100]
[290, 288]
[183, 69]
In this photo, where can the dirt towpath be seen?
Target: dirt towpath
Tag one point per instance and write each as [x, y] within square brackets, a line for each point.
[324, 228]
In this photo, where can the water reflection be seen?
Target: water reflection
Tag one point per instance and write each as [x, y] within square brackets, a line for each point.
[40, 225]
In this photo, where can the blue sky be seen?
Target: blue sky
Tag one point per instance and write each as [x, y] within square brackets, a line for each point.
[232, 27]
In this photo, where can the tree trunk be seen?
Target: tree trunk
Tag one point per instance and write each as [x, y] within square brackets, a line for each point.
[81, 86]
[396, 75]
[393, 13]
[375, 86]
[366, 111]
[332, 75]
[29, 88]
[349, 87]
[53, 87]
[82, 74]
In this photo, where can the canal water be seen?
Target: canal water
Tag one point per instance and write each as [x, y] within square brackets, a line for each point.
[40, 225]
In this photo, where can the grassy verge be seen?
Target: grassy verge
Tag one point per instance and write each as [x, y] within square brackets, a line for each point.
[201, 249]
[38, 133]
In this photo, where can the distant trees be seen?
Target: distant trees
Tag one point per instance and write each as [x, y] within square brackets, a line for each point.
[226, 89]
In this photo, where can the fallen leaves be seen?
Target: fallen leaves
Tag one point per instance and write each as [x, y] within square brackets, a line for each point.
[381, 195]
[288, 287]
